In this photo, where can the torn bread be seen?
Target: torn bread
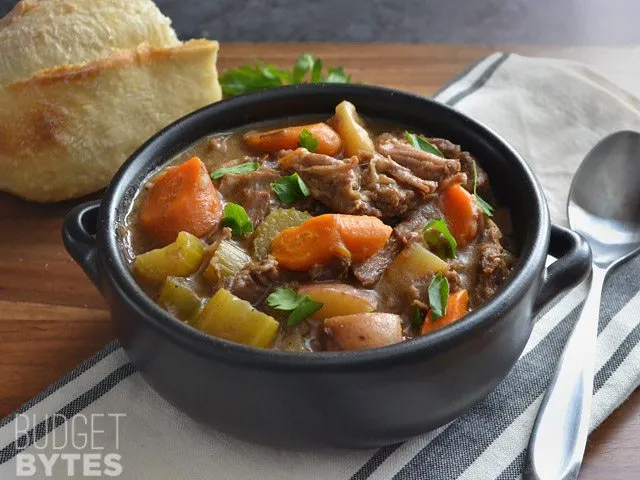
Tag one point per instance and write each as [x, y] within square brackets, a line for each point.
[65, 131]
[39, 34]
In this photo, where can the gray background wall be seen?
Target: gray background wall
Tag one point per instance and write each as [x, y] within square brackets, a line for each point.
[576, 22]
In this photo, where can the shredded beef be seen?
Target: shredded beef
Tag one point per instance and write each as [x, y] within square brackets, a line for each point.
[367, 185]
[251, 190]
[466, 166]
[254, 281]
[494, 263]
[332, 181]
[368, 273]
[336, 269]
[425, 165]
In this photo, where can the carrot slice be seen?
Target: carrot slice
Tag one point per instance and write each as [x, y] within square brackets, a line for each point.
[288, 138]
[362, 235]
[461, 214]
[315, 242]
[322, 238]
[182, 198]
[457, 307]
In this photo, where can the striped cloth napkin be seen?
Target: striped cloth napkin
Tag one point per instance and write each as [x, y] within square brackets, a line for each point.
[553, 112]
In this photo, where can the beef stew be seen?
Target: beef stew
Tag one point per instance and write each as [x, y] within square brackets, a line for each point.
[329, 234]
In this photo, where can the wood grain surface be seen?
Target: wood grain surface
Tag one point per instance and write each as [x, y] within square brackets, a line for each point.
[52, 318]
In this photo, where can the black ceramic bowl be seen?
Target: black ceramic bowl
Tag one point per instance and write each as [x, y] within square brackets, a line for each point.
[355, 399]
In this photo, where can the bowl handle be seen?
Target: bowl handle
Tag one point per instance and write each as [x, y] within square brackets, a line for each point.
[78, 235]
[573, 264]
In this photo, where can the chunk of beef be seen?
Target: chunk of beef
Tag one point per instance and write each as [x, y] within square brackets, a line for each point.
[410, 229]
[383, 191]
[369, 272]
[254, 281]
[494, 263]
[448, 148]
[466, 166]
[332, 181]
[381, 165]
[367, 185]
[251, 190]
[425, 165]
[336, 269]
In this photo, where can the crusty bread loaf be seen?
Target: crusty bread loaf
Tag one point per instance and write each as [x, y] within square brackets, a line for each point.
[39, 34]
[65, 131]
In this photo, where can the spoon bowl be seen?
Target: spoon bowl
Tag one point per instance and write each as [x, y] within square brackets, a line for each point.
[604, 201]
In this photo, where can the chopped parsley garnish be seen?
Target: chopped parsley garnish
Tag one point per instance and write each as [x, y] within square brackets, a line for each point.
[300, 306]
[308, 141]
[290, 189]
[236, 218]
[242, 168]
[417, 317]
[484, 205]
[439, 239]
[438, 296]
[421, 143]
[254, 78]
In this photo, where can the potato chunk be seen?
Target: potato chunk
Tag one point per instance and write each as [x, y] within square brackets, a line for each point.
[339, 299]
[348, 124]
[363, 330]
[412, 263]
[178, 259]
[229, 317]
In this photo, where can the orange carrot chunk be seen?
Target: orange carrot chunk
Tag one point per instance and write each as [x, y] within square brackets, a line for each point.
[288, 138]
[461, 213]
[457, 307]
[182, 198]
[320, 239]
[362, 235]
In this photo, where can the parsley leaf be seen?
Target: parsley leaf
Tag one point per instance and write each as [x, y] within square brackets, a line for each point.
[304, 64]
[242, 168]
[336, 75]
[421, 143]
[254, 78]
[247, 79]
[308, 141]
[300, 306]
[284, 299]
[439, 239]
[316, 71]
[307, 308]
[484, 205]
[290, 189]
[236, 218]
[438, 295]
[417, 317]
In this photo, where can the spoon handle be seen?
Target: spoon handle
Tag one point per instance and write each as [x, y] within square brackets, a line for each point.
[559, 435]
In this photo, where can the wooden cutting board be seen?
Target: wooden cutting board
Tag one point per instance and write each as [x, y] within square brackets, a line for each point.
[52, 318]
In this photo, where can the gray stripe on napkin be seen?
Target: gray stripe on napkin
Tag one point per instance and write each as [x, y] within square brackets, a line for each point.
[515, 468]
[480, 82]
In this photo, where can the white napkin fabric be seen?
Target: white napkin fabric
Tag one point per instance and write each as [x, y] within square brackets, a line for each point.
[553, 112]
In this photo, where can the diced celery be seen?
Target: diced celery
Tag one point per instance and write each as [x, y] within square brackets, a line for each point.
[229, 258]
[229, 317]
[178, 259]
[179, 300]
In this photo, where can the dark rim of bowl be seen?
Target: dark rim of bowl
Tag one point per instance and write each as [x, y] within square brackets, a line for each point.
[532, 255]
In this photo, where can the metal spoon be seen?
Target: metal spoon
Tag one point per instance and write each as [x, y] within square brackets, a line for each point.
[604, 206]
